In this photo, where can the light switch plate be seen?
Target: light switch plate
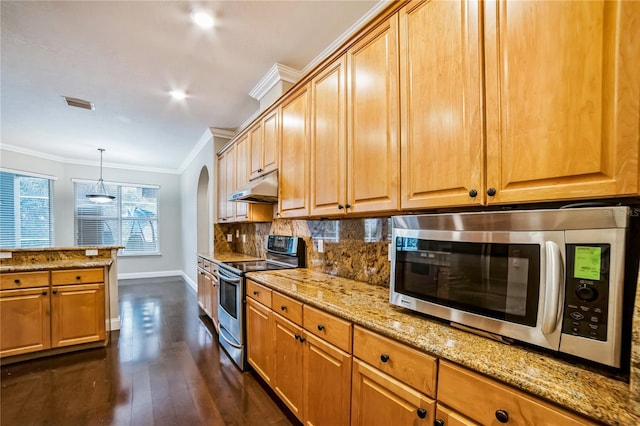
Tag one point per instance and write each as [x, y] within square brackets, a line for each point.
[237, 233]
[5, 255]
[320, 246]
[244, 238]
[91, 252]
[229, 238]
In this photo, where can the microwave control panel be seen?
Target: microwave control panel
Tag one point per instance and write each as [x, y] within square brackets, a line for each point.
[587, 291]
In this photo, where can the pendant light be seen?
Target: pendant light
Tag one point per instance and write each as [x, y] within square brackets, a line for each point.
[98, 193]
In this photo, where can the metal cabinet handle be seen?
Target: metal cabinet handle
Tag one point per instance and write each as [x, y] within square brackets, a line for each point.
[320, 327]
[347, 206]
[16, 281]
[502, 416]
[384, 358]
[422, 413]
[78, 277]
[55, 292]
[284, 308]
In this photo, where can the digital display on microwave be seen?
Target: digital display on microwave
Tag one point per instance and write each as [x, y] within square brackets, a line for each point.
[587, 262]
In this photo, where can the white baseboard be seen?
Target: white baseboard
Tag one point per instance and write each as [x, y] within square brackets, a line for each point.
[113, 324]
[158, 274]
[189, 281]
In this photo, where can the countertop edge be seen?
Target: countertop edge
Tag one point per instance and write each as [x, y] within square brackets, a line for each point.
[82, 264]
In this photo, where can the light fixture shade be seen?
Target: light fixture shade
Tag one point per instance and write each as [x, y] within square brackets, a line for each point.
[98, 193]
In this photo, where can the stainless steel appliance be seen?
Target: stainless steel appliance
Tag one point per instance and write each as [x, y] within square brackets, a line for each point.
[282, 252]
[551, 278]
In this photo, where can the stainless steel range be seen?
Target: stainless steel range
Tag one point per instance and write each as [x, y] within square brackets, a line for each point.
[283, 252]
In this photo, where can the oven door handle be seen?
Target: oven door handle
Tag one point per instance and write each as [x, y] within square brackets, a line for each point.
[554, 275]
[226, 339]
[234, 279]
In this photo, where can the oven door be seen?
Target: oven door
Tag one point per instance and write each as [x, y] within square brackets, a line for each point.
[507, 283]
[230, 312]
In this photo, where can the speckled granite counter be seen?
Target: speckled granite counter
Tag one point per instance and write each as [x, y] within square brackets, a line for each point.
[34, 259]
[598, 397]
[227, 257]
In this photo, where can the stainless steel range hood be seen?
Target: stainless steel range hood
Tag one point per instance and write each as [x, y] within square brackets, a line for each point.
[262, 190]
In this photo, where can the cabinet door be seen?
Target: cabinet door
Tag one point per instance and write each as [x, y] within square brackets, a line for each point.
[260, 339]
[24, 321]
[201, 290]
[372, 121]
[288, 365]
[256, 150]
[242, 167]
[230, 182]
[447, 417]
[293, 200]
[440, 83]
[207, 288]
[562, 101]
[77, 314]
[270, 142]
[222, 189]
[328, 141]
[380, 400]
[327, 384]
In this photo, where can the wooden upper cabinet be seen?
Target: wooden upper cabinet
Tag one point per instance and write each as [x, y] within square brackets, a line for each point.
[226, 185]
[263, 139]
[373, 116]
[328, 141]
[242, 166]
[293, 177]
[440, 86]
[562, 99]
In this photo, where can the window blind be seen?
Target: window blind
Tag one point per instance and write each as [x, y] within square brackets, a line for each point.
[26, 218]
[131, 220]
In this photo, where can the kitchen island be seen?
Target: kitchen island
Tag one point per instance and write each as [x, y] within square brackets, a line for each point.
[582, 390]
[58, 299]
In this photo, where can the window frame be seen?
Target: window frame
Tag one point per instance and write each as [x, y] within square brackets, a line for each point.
[16, 206]
[120, 219]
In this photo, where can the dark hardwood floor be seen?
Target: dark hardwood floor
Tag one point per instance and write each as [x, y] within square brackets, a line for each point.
[164, 367]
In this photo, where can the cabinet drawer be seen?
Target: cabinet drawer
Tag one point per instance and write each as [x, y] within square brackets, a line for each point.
[332, 329]
[259, 292]
[18, 280]
[206, 265]
[77, 276]
[200, 262]
[406, 364]
[484, 400]
[287, 307]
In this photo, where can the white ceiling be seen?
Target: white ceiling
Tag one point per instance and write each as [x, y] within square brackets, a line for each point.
[126, 56]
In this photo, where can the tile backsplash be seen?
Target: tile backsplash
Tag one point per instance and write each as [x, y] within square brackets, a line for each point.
[350, 248]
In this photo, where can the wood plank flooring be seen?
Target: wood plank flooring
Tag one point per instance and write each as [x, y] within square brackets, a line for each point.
[164, 367]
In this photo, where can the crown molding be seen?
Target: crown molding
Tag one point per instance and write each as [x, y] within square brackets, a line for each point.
[222, 133]
[64, 160]
[349, 33]
[275, 74]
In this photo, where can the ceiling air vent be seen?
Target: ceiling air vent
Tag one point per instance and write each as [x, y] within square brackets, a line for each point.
[79, 103]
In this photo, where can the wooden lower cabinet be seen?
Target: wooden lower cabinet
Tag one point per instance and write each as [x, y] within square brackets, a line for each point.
[327, 384]
[448, 417]
[380, 400]
[260, 342]
[488, 402]
[208, 290]
[288, 362]
[77, 314]
[24, 321]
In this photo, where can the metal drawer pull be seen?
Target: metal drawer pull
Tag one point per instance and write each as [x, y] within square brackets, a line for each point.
[422, 413]
[320, 327]
[384, 357]
[284, 308]
[78, 277]
[502, 416]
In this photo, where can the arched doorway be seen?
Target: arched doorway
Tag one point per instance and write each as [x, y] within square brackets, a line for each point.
[203, 237]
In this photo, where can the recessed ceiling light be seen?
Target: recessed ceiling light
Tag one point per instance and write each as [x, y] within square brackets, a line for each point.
[178, 95]
[202, 19]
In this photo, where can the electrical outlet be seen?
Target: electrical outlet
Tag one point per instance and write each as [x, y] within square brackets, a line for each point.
[244, 238]
[91, 252]
[5, 255]
[237, 233]
[320, 246]
[229, 238]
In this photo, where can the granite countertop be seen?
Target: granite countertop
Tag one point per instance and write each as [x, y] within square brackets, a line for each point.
[586, 392]
[39, 249]
[62, 264]
[228, 257]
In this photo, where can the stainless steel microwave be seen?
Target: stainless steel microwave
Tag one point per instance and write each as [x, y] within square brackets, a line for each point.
[550, 278]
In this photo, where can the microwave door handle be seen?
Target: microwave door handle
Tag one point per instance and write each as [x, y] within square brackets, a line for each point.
[554, 272]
